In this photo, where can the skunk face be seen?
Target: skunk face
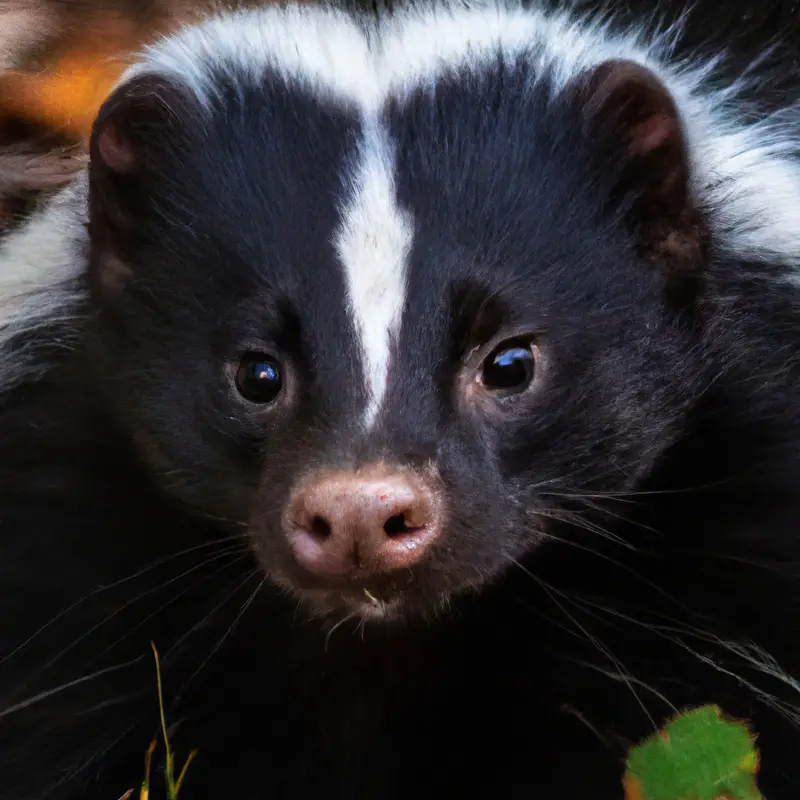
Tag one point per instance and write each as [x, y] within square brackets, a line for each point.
[396, 337]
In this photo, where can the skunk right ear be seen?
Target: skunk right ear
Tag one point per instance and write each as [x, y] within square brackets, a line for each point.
[630, 117]
[140, 131]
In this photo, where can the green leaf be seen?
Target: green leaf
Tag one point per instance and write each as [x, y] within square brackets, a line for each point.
[698, 756]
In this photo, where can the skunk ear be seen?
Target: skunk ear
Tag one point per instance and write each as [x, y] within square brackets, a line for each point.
[137, 136]
[628, 114]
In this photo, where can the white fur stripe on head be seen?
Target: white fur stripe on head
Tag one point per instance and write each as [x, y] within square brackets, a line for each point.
[318, 48]
[373, 242]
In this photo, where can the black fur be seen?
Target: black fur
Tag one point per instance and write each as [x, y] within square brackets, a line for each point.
[630, 528]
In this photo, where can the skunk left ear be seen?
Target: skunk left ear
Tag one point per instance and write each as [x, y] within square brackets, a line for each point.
[139, 132]
[629, 115]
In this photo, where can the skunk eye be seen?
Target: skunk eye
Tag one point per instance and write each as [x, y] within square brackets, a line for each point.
[509, 370]
[258, 378]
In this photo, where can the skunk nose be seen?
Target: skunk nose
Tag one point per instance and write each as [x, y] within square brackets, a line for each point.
[348, 524]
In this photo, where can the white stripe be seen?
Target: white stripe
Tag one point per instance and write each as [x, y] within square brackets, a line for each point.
[322, 49]
[373, 243]
[38, 267]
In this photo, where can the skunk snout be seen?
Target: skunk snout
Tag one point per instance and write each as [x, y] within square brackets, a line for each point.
[354, 524]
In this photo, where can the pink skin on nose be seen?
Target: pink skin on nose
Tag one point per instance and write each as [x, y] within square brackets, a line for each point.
[359, 524]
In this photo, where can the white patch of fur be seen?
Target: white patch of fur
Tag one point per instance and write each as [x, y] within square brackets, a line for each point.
[322, 49]
[40, 265]
[373, 244]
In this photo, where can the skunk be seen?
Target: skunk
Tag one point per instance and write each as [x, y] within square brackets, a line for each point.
[425, 388]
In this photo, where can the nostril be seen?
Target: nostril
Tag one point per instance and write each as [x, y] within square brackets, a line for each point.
[399, 524]
[320, 527]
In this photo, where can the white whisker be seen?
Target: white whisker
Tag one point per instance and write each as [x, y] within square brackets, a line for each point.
[64, 687]
[621, 671]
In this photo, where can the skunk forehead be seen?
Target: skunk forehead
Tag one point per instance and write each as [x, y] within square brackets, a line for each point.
[745, 171]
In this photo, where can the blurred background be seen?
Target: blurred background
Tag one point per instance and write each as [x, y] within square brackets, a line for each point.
[59, 58]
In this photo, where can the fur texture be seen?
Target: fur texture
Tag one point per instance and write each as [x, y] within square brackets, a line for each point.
[385, 208]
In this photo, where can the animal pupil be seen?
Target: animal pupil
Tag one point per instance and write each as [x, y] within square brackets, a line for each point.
[258, 378]
[509, 370]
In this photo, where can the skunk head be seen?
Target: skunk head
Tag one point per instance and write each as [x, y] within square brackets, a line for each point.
[392, 326]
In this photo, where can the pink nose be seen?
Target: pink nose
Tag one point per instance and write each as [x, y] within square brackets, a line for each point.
[346, 524]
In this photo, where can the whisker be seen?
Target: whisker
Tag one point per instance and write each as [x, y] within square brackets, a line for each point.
[551, 591]
[591, 502]
[335, 627]
[227, 633]
[626, 678]
[108, 587]
[629, 570]
[64, 687]
[175, 599]
[132, 601]
[635, 493]
[766, 665]
[550, 537]
[575, 519]
[617, 497]
[196, 627]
